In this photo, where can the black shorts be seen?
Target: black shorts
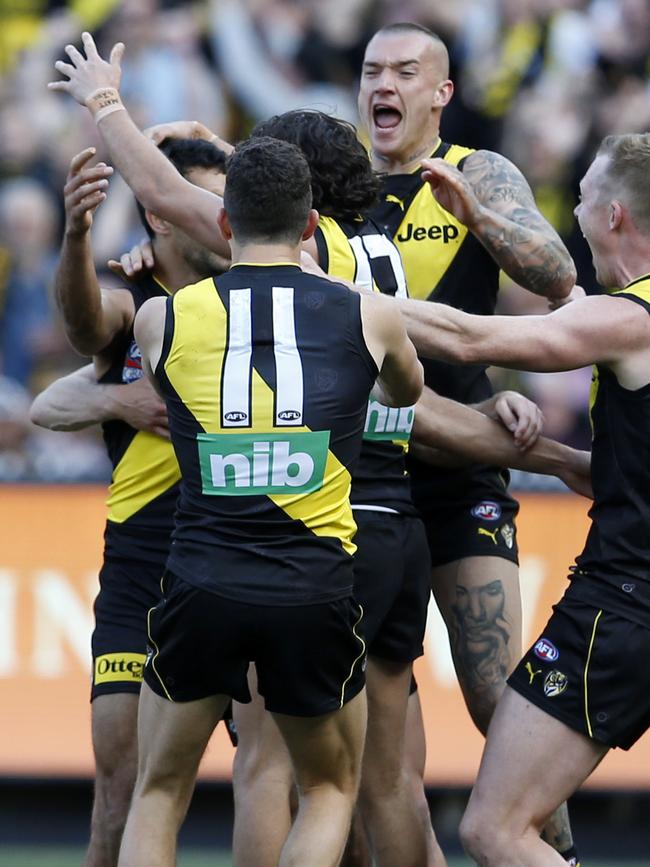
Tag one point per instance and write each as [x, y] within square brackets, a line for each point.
[310, 659]
[589, 670]
[127, 590]
[392, 582]
[480, 526]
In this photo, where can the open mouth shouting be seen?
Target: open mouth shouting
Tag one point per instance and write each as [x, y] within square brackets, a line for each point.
[385, 118]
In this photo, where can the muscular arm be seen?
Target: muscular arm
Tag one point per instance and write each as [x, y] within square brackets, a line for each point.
[493, 199]
[77, 401]
[598, 329]
[401, 377]
[444, 424]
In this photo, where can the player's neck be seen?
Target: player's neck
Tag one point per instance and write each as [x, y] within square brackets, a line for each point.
[408, 161]
[264, 254]
[632, 263]
[174, 275]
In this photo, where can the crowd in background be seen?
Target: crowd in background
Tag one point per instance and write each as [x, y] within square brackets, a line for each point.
[542, 81]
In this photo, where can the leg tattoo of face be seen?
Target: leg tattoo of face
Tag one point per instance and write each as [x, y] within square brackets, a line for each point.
[480, 638]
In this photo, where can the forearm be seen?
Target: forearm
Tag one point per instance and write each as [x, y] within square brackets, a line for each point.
[150, 175]
[439, 331]
[79, 296]
[462, 431]
[74, 402]
[533, 256]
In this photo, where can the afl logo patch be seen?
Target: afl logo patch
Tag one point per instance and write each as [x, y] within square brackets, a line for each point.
[289, 415]
[487, 511]
[546, 650]
[236, 416]
[555, 683]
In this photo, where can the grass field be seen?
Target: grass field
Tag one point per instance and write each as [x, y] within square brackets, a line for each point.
[55, 857]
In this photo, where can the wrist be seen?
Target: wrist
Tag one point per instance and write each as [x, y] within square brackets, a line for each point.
[112, 402]
[104, 101]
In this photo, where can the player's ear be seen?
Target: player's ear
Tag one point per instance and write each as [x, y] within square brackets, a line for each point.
[615, 214]
[312, 221]
[157, 224]
[443, 93]
[224, 224]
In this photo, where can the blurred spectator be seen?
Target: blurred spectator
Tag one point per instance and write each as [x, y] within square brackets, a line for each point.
[29, 230]
[28, 453]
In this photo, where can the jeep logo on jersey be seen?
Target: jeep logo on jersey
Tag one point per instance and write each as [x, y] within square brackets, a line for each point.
[289, 415]
[236, 416]
[487, 510]
[238, 465]
[388, 423]
[447, 232]
[546, 650]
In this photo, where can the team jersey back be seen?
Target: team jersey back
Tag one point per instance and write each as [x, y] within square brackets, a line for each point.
[144, 483]
[617, 550]
[361, 252]
[266, 377]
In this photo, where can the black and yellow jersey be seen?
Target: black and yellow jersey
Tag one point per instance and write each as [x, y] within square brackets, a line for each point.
[360, 252]
[446, 263]
[617, 551]
[266, 376]
[144, 484]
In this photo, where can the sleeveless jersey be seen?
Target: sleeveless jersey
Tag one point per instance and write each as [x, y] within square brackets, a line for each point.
[443, 262]
[360, 252]
[144, 484]
[617, 551]
[266, 376]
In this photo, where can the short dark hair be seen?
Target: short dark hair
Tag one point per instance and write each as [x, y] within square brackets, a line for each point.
[268, 193]
[409, 27]
[185, 155]
[343, 183]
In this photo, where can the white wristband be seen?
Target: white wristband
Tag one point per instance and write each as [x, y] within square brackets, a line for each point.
[109, 109]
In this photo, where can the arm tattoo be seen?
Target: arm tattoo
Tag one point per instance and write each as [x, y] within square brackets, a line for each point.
[519, 239]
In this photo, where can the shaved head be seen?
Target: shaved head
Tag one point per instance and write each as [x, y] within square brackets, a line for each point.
[438, 46]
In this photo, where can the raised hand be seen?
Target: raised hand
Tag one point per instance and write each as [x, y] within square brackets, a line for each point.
[90, 74]
[452, 190]
[186, 129]
[84, 191]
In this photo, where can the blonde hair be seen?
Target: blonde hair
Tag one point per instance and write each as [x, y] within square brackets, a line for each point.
[629, 173]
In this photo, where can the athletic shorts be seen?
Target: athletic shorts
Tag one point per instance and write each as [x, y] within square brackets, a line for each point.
[589, 670]
[310, 659]
[392, 582]
[479, 527]
[127, 590]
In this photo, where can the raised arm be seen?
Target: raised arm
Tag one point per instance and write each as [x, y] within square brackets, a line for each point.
[401, 377]
[444, 424]
[157, 185]
[493, 199]
[92, 317]
[601, 329]
[77, 401]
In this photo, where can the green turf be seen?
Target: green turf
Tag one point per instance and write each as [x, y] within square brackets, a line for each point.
[25, 856]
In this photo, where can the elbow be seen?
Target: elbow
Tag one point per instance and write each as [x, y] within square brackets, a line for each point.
[565, 278]
[38, 413]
